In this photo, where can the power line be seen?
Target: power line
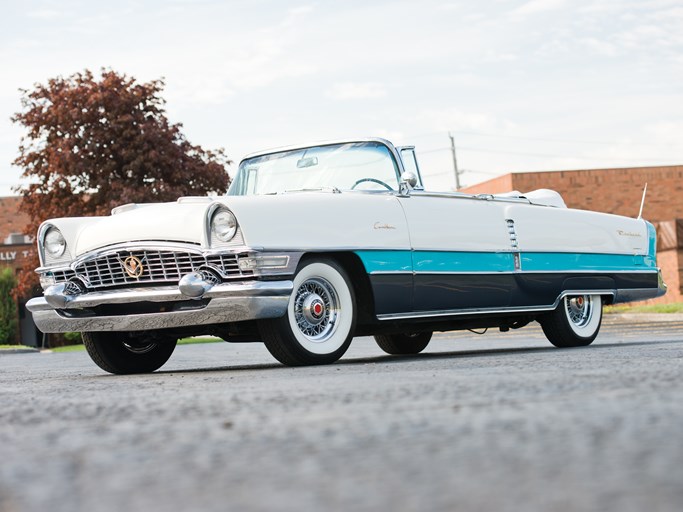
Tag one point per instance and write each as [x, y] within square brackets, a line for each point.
[543, 139]
[548, 155]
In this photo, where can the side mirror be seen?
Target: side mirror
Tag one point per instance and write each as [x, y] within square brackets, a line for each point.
[407, 183]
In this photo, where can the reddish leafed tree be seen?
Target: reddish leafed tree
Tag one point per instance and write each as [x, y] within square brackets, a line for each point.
[92, 143]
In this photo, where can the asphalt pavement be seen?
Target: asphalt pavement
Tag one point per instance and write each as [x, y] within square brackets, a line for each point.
[500, 421]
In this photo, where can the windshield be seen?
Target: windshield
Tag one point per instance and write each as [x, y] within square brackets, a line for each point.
[357, 165]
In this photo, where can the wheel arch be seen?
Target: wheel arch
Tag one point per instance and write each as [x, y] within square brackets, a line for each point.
[602, 285]
[353, 266]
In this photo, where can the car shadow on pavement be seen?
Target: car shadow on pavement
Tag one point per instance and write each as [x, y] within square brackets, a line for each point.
[398, 359]
[498, 351]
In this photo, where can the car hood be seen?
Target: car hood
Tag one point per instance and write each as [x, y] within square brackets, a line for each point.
[172, 222]
[300, 221]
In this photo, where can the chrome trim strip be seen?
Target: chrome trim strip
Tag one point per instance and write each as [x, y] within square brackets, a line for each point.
[515, 272]
[229, 303]
[166, 294]
[390, 272]
[354, 248]
[479, 311]
[650, 271]
[295, 147]
[462, 195]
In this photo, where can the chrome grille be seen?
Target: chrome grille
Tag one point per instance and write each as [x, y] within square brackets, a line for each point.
[227, 262]
[61, 276]
[158, 266]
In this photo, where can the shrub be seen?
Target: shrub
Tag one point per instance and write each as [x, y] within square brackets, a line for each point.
[8, 307]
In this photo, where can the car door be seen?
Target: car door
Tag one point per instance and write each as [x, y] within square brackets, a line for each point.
[463, 253]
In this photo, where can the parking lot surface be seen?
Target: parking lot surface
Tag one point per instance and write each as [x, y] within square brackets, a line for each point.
[501, 421]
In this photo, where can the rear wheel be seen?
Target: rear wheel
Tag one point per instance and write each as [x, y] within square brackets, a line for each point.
[575, 322]
[398, 344]
[124, 353]
[320, 319]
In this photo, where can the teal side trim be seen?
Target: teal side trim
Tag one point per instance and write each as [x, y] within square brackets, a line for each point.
[386, 261]
[433, 261]
[652, 240]
[426, 262]
[568, 262]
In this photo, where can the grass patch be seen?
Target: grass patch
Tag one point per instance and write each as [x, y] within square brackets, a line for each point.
[198, 339]
[14, 346]
[69, 348]
[183, 341]
[676, 307]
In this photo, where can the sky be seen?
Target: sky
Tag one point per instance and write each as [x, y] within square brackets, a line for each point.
[522, 85]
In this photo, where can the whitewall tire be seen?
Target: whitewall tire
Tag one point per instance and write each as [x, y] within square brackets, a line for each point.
[576, 321]
[320, 320]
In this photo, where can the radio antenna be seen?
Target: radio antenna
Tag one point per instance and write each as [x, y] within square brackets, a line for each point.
[642, 202]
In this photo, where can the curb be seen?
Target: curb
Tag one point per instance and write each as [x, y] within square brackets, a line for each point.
[18, 351]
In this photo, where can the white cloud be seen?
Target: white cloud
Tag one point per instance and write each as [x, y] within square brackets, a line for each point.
[535, 6]
[45, 14]
[446, 119]
[599, 46]
[356, 91]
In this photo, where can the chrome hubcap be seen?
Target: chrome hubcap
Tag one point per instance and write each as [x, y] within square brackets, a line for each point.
[313, 309]
[316, 309]
[579, 309]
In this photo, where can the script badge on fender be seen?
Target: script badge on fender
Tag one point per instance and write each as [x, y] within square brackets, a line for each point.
[133, 266]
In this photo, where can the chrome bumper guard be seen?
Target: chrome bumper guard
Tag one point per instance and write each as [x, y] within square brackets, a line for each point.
[228, 302]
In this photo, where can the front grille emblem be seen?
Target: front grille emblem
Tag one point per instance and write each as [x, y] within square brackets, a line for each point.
[133, 266]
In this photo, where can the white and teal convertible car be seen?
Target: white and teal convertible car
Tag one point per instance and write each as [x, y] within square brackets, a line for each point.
[313, 245]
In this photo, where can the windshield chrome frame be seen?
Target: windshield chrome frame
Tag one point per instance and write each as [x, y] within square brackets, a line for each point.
[397, 160]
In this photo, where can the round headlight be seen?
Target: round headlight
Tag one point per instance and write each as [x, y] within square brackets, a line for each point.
[224, 225]
[54, 243]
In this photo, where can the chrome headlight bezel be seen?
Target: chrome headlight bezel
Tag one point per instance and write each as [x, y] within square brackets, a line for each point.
[223, 225]
[54, 243]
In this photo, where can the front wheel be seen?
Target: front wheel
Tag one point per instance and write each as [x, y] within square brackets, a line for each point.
[320, 319]
[575, 322]
[124, 353]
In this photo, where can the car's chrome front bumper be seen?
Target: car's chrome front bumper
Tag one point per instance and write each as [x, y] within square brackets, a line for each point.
[223, 303]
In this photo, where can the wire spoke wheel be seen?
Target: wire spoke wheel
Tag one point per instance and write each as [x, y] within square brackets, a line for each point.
[575, 322]
[316, 309]
[579, 309]
[320, 319]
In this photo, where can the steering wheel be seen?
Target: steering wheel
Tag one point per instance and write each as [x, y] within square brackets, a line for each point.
[372, 180]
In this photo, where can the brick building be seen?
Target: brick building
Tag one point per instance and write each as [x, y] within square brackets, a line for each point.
[617, 191]
[14, 249]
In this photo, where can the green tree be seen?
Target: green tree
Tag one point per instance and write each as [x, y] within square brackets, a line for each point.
[92, 143]
[8, 307]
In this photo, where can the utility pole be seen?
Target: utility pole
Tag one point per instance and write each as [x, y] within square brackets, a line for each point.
[455, 163]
